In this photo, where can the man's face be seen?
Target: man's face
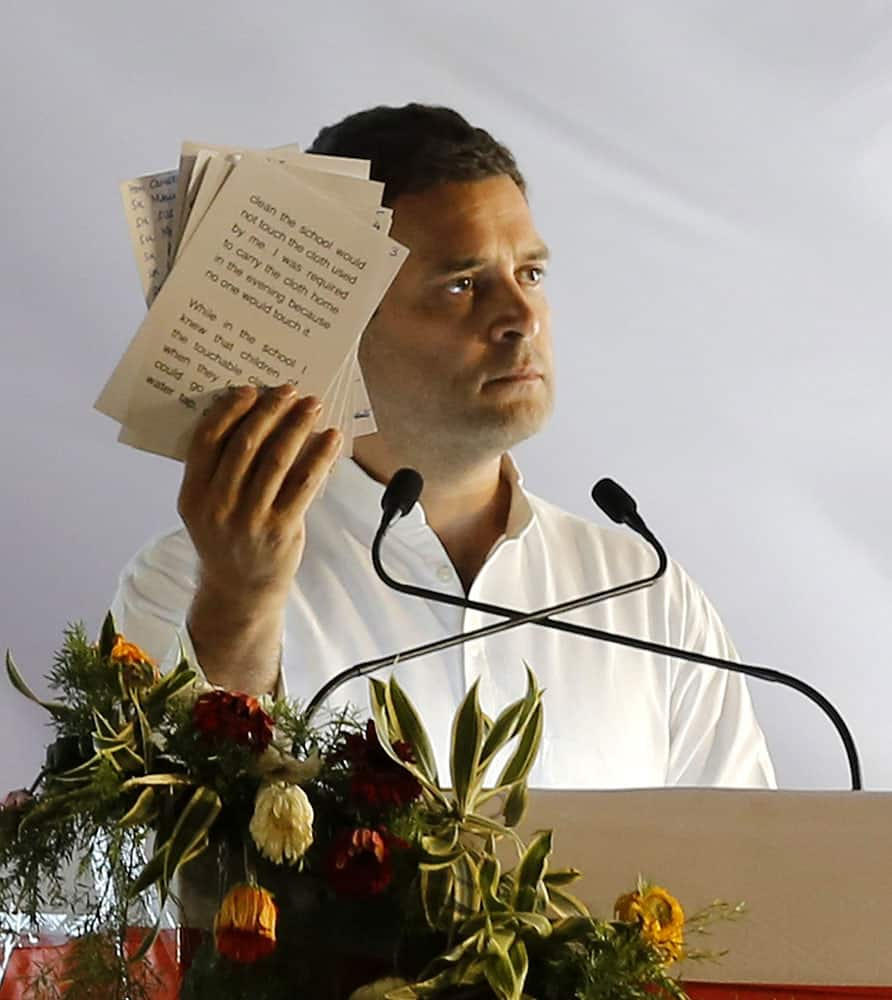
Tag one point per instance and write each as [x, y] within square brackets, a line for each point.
[458, 357]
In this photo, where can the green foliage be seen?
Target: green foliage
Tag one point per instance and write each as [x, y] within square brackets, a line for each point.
[492, 919]
[600, 961]
[471, 911]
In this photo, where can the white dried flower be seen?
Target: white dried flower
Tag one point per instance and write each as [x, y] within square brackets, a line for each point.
[282, 824]
[277, 764]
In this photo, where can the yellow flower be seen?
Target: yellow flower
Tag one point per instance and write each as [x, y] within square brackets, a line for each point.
[282, 824]
[659, 916]
[245, 925]
[139, 669]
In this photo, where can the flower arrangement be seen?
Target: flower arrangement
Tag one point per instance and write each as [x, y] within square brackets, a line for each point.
[346, 868]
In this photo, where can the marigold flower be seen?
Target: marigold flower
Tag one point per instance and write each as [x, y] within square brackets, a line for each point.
[282, 824]
[245, 925]
[359, 862]
[659, 916]
[140, 670]
[230, 716]
[377, 779]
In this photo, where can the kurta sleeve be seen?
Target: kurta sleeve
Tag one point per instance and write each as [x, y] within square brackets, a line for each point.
[715, 739]
[155, 591]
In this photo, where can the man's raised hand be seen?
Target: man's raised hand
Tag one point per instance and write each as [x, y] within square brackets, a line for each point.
[252, 471]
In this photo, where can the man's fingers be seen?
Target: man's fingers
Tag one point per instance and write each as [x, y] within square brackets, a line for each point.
[280, 451]
[244, 442]
[306, 476]
[209, 438]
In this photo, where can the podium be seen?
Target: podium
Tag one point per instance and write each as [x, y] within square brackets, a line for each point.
[814, 869]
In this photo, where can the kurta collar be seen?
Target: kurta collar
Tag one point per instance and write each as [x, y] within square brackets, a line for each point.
[358, 496]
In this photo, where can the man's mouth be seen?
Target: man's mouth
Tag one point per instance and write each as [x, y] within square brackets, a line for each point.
[525, 373]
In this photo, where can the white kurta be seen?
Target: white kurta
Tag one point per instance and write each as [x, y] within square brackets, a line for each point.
[614, 717]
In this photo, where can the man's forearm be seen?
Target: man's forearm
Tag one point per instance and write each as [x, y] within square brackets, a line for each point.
[237, 642]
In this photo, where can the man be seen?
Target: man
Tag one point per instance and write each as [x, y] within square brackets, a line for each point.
[274, 583]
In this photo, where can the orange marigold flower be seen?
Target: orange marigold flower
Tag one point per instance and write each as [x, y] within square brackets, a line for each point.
[659, 916]
[245, 925]
[139, 669]
[128, 653]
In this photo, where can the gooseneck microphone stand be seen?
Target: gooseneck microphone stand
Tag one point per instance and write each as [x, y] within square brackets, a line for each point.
[629, 516]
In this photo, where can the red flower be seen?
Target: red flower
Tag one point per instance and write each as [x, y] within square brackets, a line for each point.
[377, 779]
[359, 862]
[16, 801]
[231, 716]
[12, 808]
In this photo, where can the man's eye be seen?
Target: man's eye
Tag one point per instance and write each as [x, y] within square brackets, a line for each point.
[534, 274]
[458, 285]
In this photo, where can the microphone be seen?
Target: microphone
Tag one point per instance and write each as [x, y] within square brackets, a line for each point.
[400, 496]
[620, 507]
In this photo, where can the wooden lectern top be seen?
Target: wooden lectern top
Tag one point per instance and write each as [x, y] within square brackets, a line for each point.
[814, 868]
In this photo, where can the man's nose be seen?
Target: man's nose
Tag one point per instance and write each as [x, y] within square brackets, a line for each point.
[515, 315]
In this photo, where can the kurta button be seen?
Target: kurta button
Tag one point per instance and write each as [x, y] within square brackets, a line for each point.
[444, 573]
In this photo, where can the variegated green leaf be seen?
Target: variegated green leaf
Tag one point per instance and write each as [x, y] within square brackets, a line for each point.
[165, 780]
[483, 826]
[103, 729]
[440, 863]
[503, 730]
[142, 811]
[561, 876]
[388, 732]
[123, 758]
[537, 922]
[441, 843]
[515, 804]
[153, 871]
[436, 896]
[490, 873]
[467, 741]
[412, 730]
[519, 763]
[530, 870]
[565, 904]
[467, 892]
[191, 828]
[155, 700]
[499, 940]
[146, 746]
[570, 928]
[501, 977]
[55, 708]
[520, 961]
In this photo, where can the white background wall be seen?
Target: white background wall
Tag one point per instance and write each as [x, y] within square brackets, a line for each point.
[715, 178]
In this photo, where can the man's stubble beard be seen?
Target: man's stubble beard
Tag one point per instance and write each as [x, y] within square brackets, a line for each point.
[451, 437]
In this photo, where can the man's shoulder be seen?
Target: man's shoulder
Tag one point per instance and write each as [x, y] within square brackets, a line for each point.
[559, 525]
[610, 553]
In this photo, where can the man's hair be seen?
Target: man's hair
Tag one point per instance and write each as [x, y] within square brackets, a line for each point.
[417, 147]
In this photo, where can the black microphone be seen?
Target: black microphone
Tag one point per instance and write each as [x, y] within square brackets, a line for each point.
[399, 497]
[619, 506]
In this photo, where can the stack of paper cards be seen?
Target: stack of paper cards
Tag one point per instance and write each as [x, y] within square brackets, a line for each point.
[259, 267]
